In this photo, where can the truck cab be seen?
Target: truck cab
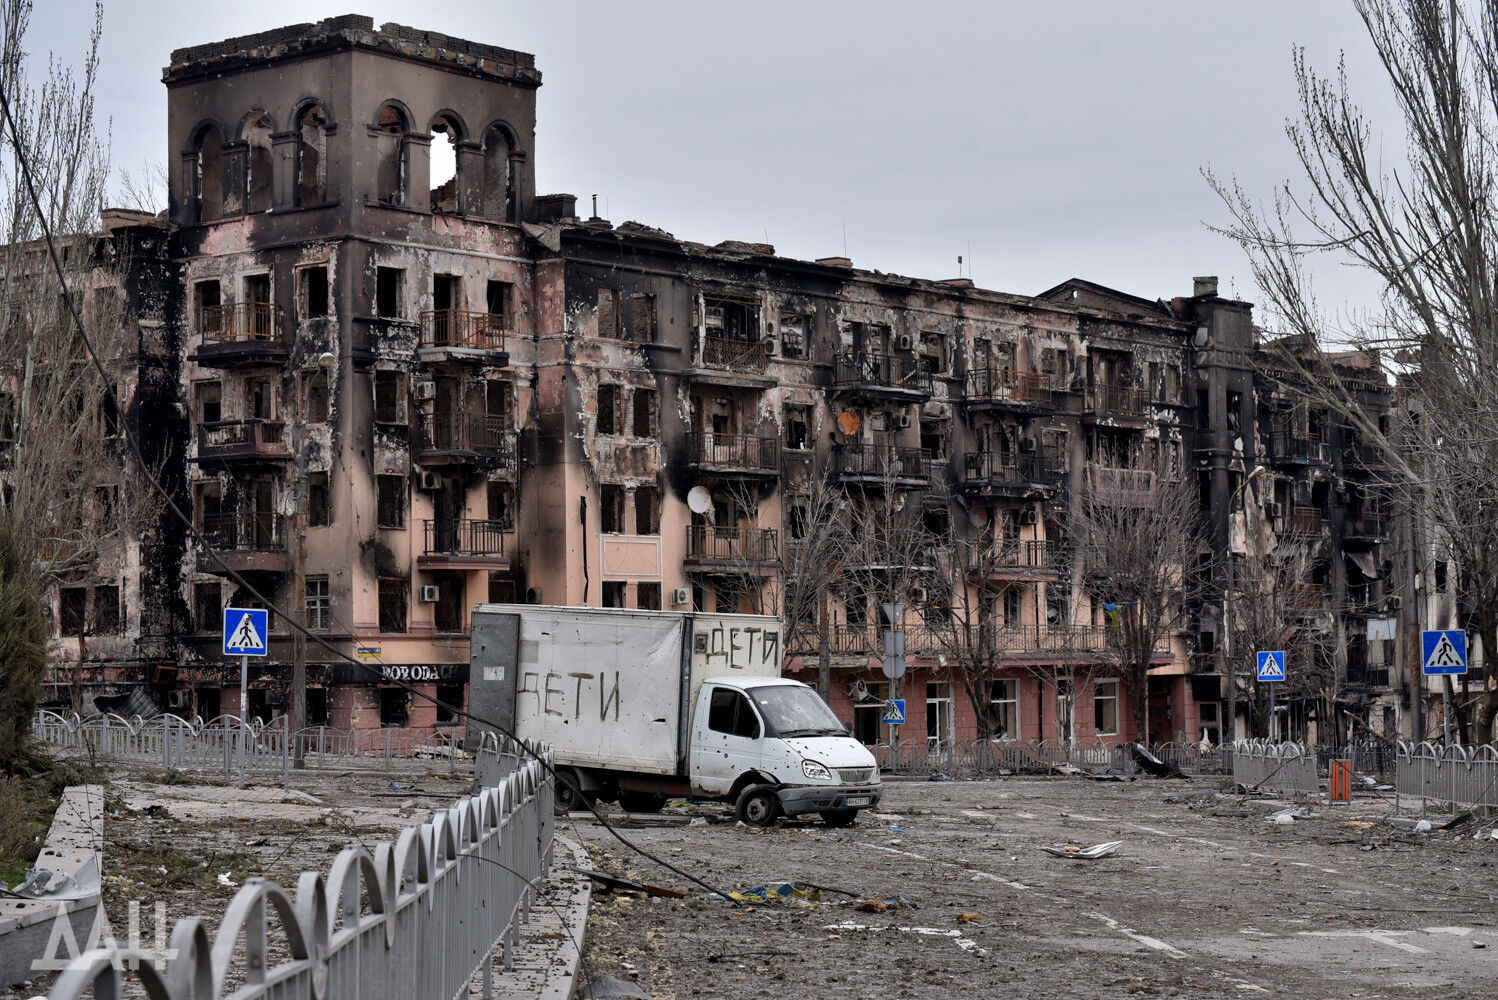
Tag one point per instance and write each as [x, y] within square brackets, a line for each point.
[773, 747]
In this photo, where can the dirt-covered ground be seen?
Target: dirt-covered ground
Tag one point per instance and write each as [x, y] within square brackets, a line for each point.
[1204, 898]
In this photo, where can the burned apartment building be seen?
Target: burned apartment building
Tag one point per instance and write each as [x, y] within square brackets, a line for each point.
[409, 385]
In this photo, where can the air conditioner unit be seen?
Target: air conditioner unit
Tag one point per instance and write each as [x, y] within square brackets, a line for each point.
[681, 595]
[178, 698]
[901, 419]
[1276, 510]
[1028, 516]
[1027, 443]
[426, 391]
[771, 347]
[919, 595]
[903, 342]
[428, 481]
[429, 594]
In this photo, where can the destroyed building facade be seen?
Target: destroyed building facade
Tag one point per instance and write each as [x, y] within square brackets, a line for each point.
[407, 384]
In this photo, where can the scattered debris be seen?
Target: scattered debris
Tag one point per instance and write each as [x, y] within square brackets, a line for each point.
[614, 882]
[1410, 824]
[1357, 824]
[870, 906]
[1087, 853]
[610, 988]
[940, 776]
[1288, 815]
[225, 880]
[1457, 822]
[969, 918]
[1154, 765]
[790, 892]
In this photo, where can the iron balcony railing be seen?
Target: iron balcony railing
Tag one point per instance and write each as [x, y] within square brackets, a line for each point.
[952, 638]
[733, 451]
[1368, 524]
[1302, 521]
[1006, 385]
[1020, 469]
[876, 461]
[472, 433]
[708, 542]
[245, 531]
[465, 536]
[1013, 553]
[728, 354]
[1118, 400]
[239, 321]
[480, 331]
[862, 369]
[1296, 446]
[241, 438]
[1105, 478]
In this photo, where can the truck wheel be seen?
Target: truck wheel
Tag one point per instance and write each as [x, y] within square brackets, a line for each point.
[641, 802]
[569, 796]
[758, 805]
[839, 817]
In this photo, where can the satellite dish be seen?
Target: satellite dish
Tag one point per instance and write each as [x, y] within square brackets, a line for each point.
[977, 516]
[848, 422]
[699, 500]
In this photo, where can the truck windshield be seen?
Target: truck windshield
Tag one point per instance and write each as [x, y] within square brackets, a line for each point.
[793, 710]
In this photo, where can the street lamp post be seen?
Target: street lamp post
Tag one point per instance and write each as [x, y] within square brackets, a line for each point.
[299, 576]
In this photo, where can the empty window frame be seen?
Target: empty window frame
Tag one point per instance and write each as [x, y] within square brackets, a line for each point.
[641, 319]
[319, 509]
[393, 592]
[732, 319]
[643, 404]
[498, 296]
[311, 156]
[312, 292]
[394, 703]
[1105, 707]
[608, 409]
[389, 288]
[258, 156]
[611, 508]
[499, 186]
[793, 333]
[608, 313]
[500, 497]
[391, 151]
[647, 510]
[797, 426]
[107, 610]
[613, 593]
[389, 398]
[208, 174]
[208, 606]
[72, 610]
[207, 308]
[315, 396]
[391, 501]
[648, 596]
[443, 164]
[1004, 706]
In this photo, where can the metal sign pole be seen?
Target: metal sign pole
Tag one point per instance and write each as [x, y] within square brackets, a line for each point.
[1273, 730]
[244, 715]
[1445, 714]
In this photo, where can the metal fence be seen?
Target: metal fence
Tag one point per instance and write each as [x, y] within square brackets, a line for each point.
[225, 746]
[1287, 768]
[416, 918]
[1456, 776]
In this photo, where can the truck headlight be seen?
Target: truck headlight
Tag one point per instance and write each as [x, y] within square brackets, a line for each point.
[816, 771]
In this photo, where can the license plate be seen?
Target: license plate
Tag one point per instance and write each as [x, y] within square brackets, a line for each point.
[859, 800]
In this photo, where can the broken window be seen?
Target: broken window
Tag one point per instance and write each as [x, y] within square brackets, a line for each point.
[257, 177]
[447, 616]
[608, 409]
[7, 417]
[316, 603]
[647, 510]
[312, 292]
[318, 508]
[261, 393]
[613, 593]
[648, 596]
[208, 173]
[390, 151]
[208, 606]
[258, 321]
[72, 610]
[443, 164]
[393, 594]
[934, 437]
[641, 318]
[793, 328]
[391, 502]
[449, 702]
[389, 398]
[315, 392]
[643, 424]
[1012, 599]
[798, 518]
[1234, 415]
[611, 508]
[207, 311]
[106, 505]
[497, 303]
[499, 190]
[797, 426]
[394, 700]
[608, 313]
[732, 319]
[501, 589]
[388, 282]
[107, 610]
[1105, 707]
[311, 156]
[1003, 705]
[500, 497]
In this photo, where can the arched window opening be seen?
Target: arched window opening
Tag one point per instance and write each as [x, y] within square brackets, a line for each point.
[499, 184]
[390, 171]
[257, 183]
[208, 183]
[311, 157]
[444, 165]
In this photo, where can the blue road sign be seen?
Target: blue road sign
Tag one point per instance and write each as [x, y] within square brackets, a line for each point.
[1272, 665]
[1444, 651]
[246, 631]
[894, 712]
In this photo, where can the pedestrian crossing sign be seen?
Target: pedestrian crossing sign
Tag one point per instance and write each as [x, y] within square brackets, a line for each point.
[246, 631]
[1272, 665]
[1444, 651]
[894, 712]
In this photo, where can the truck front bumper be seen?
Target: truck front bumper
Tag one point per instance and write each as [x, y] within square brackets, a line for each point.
[800, 799]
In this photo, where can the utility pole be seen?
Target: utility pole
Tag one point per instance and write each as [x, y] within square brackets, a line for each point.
[298, 720]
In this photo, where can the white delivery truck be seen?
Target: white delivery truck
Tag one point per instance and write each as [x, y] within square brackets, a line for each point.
[640, 706]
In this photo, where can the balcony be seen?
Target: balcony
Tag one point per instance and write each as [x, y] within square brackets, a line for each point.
[1022, 642]
[732, 362]
[244, 542]
[1296, 447]
[1010, 475]
[732, 551]
[243, 333]
[1115, 402]
[733, 454]
[1365, 457]
[1114, 485]
[242, 440]
[463, 543]
[1367, 527]
[1015, 559]
[879, 465]
[463, 334]
[1001, 388]
[1301, 521]
[480, 440]
[893, 376]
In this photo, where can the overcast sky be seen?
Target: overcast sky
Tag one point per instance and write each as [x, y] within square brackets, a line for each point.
[1040, 141]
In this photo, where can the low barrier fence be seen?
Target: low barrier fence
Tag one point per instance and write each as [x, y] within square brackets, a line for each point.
[1037, 756]
[1285, 768]
[418, 918]
[1456, 776]
[225, 745]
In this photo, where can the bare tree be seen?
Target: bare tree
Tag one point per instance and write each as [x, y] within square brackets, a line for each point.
[814, 541]
[1138, 534]
[66, 501]
[1425, 233]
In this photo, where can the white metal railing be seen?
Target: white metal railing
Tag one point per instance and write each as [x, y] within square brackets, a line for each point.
[1288, 768]
[416, 918]
[1457, 776]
